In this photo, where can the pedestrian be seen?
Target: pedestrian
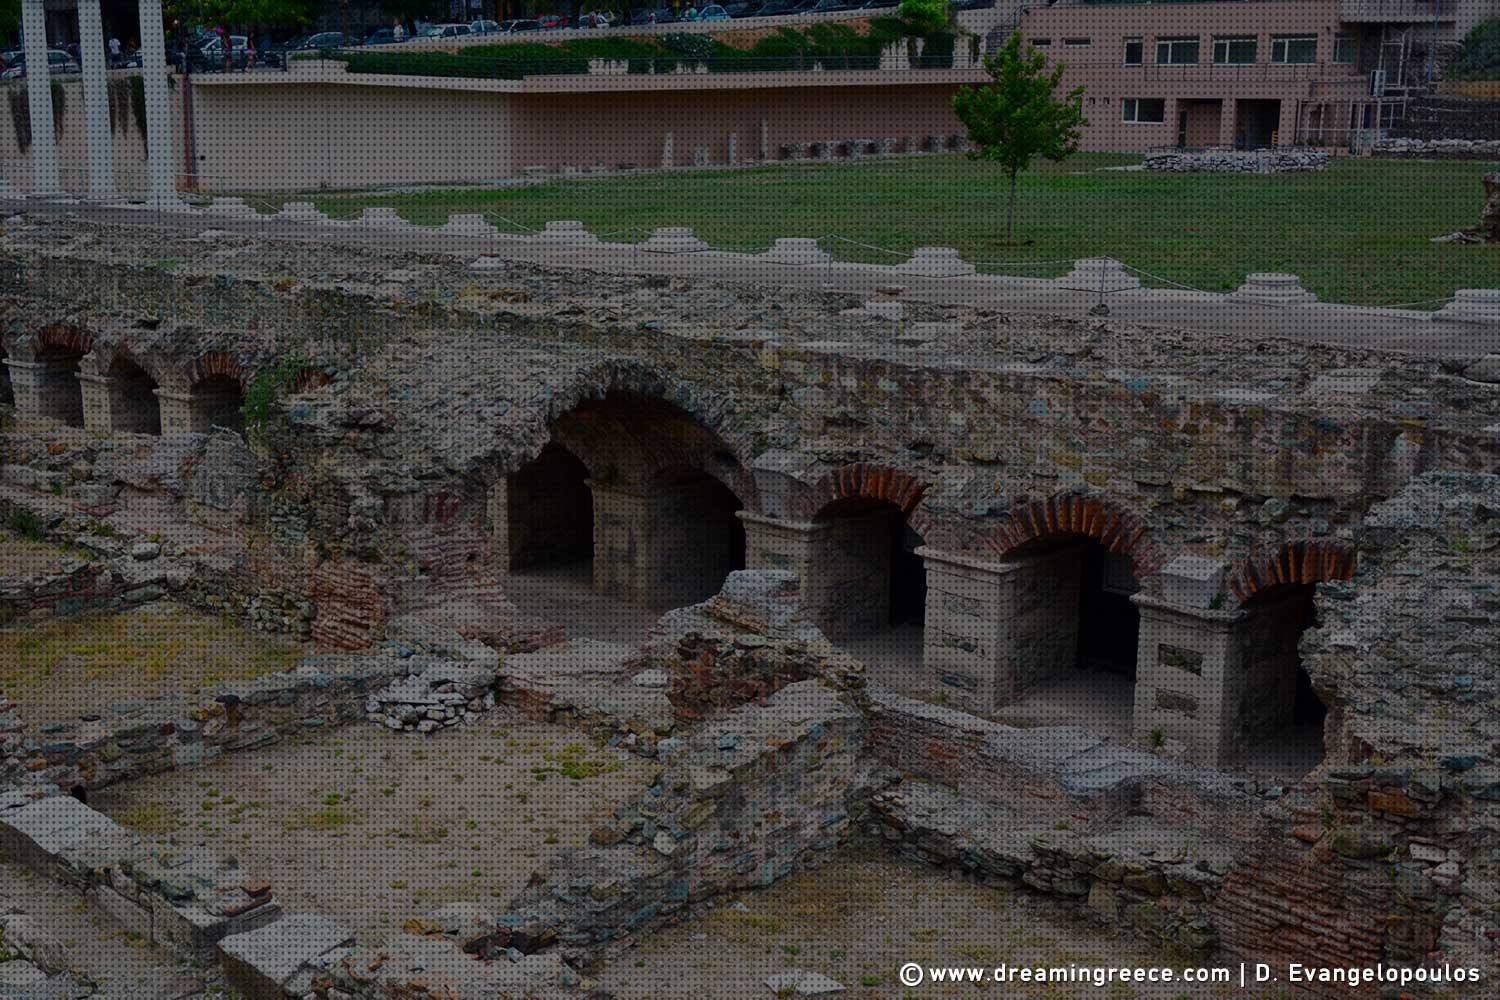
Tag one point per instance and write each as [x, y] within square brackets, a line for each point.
[399, 32]
[114, 51]
[249, 53]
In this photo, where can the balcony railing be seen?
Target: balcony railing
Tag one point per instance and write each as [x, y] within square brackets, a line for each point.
[1396, 10]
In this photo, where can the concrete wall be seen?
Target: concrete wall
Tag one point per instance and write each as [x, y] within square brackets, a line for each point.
[127, 133]
[301, 136]
[310, 129]
[558, 130]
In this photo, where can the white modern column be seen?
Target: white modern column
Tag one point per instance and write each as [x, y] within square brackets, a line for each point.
[96, 99]
[39, 99]
[158, 107]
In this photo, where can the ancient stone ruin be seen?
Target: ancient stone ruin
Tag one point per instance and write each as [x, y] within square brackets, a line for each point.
[1199, 651]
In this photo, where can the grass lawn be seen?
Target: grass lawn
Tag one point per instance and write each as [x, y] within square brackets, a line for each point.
[65, 667]
[1357, 232]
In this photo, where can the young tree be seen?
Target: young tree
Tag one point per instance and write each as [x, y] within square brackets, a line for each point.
[1018, 116]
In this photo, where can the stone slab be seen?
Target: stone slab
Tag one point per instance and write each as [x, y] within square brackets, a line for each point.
[261, 962]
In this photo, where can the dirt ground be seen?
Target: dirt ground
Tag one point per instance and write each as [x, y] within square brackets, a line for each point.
[62, 668]
[859, 917]
[373, 828]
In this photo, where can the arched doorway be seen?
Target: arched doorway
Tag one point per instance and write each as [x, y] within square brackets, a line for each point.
[1073, 629]
[868, 589]
[217, 401]
[549, 515]
[1282, 715]
[59, 393]
[134, 407]
[629, 510]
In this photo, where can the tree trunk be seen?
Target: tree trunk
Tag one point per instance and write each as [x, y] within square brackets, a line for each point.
[1010, 215]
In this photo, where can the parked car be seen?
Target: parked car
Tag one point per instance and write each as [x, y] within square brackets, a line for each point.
[445, 31]
[276, 55]
[58, 62]
[819, 6]
[776, 8]
[526, 24]
[737, 10]
[713, 12]
[483, 27]
[209, 56]
[552, 22]
[593, 19]
[382, 36]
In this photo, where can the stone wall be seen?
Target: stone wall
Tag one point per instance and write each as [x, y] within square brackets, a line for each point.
[1229, 161]
[1443, 148]
[1439, 118]
[742, 802]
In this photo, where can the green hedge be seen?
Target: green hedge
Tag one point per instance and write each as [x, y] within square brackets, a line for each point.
[835, 46]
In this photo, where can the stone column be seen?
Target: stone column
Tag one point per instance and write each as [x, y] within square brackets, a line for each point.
[46, 389]
[994, 629]
[844, 564]
[98, 401]
[39, 99]
[1190, 665]
[96, 99]
[653, 548]
[177, 412]
[158, 113]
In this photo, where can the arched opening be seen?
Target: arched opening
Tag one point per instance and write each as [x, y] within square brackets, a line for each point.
[869, 589]
[134, 407]
[218, 401]
[550, 512]
[625, 513]
[1074, 633]
[59, 393]
[1282, 715]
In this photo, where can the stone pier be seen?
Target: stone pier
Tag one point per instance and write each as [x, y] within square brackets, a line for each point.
[47, 389]
[995, 628]
[653, 547]
[1214, 679]
[844, 563]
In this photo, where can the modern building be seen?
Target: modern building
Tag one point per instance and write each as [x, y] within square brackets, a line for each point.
[1245, 73]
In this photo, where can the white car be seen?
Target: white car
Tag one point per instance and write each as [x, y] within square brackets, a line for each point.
[445, 31]
[57, 62]
[484, 27]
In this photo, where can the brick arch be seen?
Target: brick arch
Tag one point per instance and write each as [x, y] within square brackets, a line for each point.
[714, 412]
[308, 379]
[1108, 523]
[1307, 561]
[869, 481]
[215, 363]
[104, 356]
[63, 335]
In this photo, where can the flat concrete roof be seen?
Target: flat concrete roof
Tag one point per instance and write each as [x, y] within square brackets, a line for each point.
[332, 72]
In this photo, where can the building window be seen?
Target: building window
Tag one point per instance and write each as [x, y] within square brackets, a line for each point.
[1135, 52]
[1040, 43]
[1144, 110]
[1234, 50]
[1294, 49]
[1078, 43]
[1177, 51]
[1344, 48]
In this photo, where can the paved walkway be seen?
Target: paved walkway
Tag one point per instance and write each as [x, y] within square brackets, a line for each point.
[1321, 323]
